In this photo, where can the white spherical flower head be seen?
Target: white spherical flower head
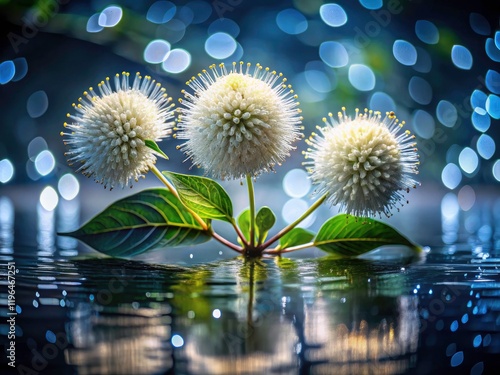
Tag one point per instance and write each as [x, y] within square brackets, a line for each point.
[109, 129]
[238, 122]
[363, 164]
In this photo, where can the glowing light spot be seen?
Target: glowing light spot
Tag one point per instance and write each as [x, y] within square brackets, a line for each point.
[93, 24]
[220, 45]
[36, 146]
[216, 313]
[7, 71]
[451, 176]
[45, 162]
[173, 31]
[224, 25]
[293, 209]
[291, 21]
[420, 90]
[68, 186]
[372, 4]
[178, 60]
[404, 52]
[478, 99]
[200, 11]
[446, 113]
[49, 198]
[477, 341]
[318, 80]
[156, 51]
[477, 369]
[361, 77]
[21, 66]
[480, 120]
[492, 105]
[382, 101]
[423, 124]
[427, 32]
[161, 12]
[37, 104]
[485, 146]
[466, 200]
[493, 81]
[177, 341]
[492, 50]
[479, 24]
[333, 15]
[110, 16]
[496, 170]
[468, 160]
[424, 62]
[461, 57]
[457, 359]
[296, 183]
[6, 171]
[50, 336]
[333, 54]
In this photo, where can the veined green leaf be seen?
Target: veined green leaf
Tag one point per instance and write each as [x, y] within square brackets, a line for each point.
[144, 221]
[153, 146]
[297, 236]
[203, 195]
[244, 223]
[264, 221]
[349, 235]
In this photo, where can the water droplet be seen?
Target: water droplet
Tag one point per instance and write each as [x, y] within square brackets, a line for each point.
[161, 12]
[427, 32]
[291, 21]
[333, 54]
[361, 77]
[404, 52]
[420, 90]
[178, 60]
[220, 45]
[446, 113]
[461, 57]
[156, 51]
[451, 176]
[37, 104]
[216, 313]
[333, 15]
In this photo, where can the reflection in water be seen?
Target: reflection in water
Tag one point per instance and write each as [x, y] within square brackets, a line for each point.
[6, 226]
[45, 236]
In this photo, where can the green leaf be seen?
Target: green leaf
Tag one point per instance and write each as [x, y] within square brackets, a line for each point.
[297, 236]
[349, 235]
[144, 221]
[203, 195]
[264, 221]
[153, 146]
[244, 223]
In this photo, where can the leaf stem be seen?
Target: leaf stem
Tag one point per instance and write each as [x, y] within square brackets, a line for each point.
[238, 232]
[223, 241]
[170, 187]
[289, 227]
[251, 198]
[289, 249]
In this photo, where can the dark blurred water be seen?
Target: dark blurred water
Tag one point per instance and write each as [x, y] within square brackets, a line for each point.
[167, 313]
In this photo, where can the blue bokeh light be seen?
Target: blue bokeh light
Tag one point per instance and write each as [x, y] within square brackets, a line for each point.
[461, 57]
[361, 77]
[220, 45]
[333, 54]
[333, 15]
[427, 32]
[404, 52]
[291, 21]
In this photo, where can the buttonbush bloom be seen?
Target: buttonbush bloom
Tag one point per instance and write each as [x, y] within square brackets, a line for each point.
[365, 163]
[237, 121]
[108, 132]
